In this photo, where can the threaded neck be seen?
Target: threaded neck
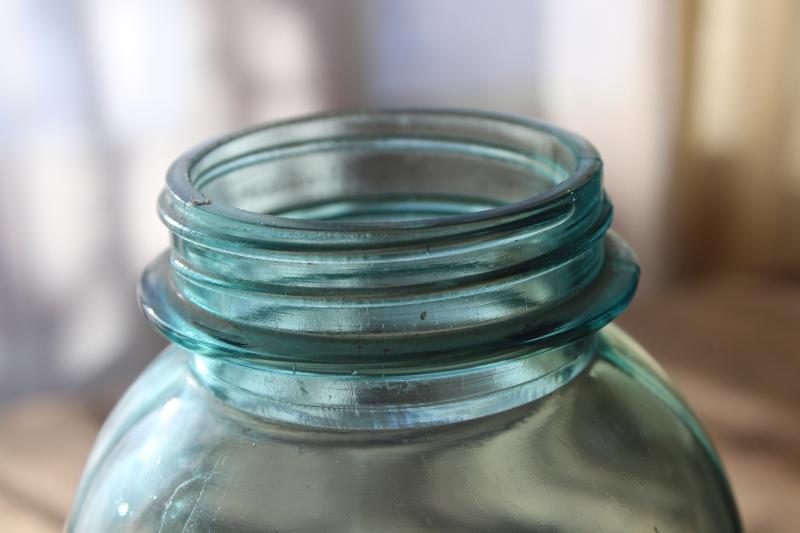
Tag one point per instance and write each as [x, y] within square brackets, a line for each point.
[387, 242]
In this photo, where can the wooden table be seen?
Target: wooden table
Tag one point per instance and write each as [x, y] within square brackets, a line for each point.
[731, 345]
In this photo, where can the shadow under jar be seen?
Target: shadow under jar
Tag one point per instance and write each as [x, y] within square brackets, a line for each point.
[397, 321]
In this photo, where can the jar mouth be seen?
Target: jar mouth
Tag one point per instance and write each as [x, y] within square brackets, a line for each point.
[287, 249]
[522, 165]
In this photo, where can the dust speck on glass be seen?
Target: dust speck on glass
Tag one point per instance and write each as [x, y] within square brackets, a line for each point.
[397, 321]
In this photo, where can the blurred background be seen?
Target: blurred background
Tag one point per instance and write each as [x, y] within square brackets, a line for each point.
[694, 105]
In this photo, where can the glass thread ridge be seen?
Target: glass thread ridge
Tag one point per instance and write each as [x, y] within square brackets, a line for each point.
[387, 295]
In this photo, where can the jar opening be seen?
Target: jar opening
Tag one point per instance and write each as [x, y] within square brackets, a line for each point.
[381, 177]
[384, 169]
[387, 241]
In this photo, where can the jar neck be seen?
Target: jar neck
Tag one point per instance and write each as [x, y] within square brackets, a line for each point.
[387, 243]
[371, 402]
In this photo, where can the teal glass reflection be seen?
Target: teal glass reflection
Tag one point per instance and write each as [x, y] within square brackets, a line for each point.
[397, 321]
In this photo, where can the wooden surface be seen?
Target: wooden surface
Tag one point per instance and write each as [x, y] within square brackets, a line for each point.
[43, 446]
[732, 346]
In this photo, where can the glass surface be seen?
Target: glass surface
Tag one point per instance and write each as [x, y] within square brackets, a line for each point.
[397, 321]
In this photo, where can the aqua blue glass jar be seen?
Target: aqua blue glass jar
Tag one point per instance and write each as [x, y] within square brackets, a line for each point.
[397, 321]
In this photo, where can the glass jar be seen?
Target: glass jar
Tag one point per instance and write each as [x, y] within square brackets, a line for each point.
[397, 321]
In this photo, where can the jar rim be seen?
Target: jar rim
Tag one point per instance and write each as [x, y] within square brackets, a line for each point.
[587, 164]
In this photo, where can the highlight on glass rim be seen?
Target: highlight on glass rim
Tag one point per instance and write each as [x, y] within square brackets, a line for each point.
[367, 266]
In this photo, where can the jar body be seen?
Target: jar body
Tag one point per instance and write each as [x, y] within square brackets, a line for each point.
[611, 449]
